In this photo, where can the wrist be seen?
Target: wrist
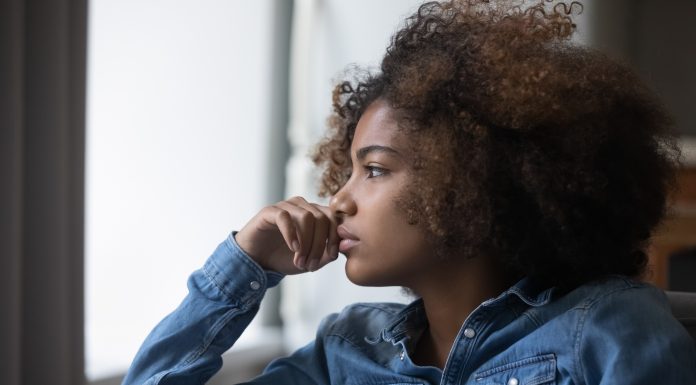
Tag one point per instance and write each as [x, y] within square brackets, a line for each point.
[246, 248]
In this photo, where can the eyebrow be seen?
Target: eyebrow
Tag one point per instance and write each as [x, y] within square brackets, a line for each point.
[363, 152]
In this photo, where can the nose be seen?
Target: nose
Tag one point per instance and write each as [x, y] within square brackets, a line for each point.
[342, 203]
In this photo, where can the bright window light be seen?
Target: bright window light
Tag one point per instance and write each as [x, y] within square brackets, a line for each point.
[177, 133]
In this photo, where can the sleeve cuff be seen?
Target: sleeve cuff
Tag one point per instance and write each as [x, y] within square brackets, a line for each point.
[236, 275]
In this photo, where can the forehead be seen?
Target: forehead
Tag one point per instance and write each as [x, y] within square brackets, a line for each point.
[378, 126]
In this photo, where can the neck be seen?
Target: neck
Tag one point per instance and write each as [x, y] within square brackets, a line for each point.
[450, 294]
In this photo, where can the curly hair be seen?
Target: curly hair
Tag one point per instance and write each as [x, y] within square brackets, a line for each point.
[547, 155]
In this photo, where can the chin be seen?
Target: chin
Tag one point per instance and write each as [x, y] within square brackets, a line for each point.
[360, 275]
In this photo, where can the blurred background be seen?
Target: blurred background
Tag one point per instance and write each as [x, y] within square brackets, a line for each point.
[137, 134]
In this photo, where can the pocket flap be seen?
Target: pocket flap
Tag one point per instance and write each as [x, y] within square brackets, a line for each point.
[527, 371]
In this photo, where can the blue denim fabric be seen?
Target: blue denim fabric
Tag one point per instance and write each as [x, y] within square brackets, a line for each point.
[616, 331]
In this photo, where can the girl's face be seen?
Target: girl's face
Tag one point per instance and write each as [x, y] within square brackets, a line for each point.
[381, 247]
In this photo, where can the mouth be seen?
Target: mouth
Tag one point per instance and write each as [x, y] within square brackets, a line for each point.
[348, 240]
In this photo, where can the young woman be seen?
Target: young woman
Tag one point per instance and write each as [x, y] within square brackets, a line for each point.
[508, 178]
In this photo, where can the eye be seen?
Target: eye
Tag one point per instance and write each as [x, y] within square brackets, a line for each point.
[374, 171]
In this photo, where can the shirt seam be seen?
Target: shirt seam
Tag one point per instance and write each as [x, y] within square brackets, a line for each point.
[192, 357]
[576, 347]
[534, 320]
[586, 308]
[627, 285]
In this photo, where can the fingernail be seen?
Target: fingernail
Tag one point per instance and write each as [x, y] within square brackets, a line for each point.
[313, 265]
[296, 246]
[301, 262]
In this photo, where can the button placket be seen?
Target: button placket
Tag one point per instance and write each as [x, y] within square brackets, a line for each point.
[458, 361]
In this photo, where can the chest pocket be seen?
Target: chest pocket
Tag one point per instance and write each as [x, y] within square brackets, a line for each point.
[528, 371]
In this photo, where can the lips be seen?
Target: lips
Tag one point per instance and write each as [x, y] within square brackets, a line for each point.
[348, 240]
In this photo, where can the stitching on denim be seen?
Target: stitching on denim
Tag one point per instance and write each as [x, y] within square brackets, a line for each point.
[233, 247]
[576, 346]
[212, 334]
[589, 305]
[212, 278]
[207, 341]
[532, 318]
[592, 301]
[541, 379]
[517, 364]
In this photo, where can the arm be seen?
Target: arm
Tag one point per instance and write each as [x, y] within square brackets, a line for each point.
[187, 345]
[288, 237]
[631, 337]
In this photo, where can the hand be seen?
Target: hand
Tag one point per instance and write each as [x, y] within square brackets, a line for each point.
[291, 236]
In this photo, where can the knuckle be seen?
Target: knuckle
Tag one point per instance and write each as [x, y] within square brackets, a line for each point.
[283, 214]
[296, 199]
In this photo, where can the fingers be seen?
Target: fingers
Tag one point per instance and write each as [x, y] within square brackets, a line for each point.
[333, 239]
[315, 243]
[315, 231]
[286, 225]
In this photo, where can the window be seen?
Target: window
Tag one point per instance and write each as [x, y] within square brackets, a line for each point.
[179, 147]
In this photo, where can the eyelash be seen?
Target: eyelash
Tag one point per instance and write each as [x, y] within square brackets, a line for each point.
[372, 169]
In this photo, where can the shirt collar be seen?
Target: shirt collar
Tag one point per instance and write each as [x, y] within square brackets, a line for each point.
[405, 323]
[530, 293]
[412, 318]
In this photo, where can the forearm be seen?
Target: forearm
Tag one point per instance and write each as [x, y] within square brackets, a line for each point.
[223, 298]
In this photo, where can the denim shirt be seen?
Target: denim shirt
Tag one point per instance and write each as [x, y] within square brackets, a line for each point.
[616, 331]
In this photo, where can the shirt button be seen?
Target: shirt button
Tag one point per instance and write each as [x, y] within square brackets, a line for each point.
[469, 333]
[255, 285]
[401, 355]
[513, 381]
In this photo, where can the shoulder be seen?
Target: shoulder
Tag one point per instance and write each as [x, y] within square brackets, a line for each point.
[626, 328]
[621, 290]
[604, 298]
[619, 305]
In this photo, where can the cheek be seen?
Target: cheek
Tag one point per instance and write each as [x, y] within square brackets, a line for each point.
[395, 238]
[407, 204]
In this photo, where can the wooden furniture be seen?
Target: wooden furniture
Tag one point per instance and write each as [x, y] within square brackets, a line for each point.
[678, 230]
